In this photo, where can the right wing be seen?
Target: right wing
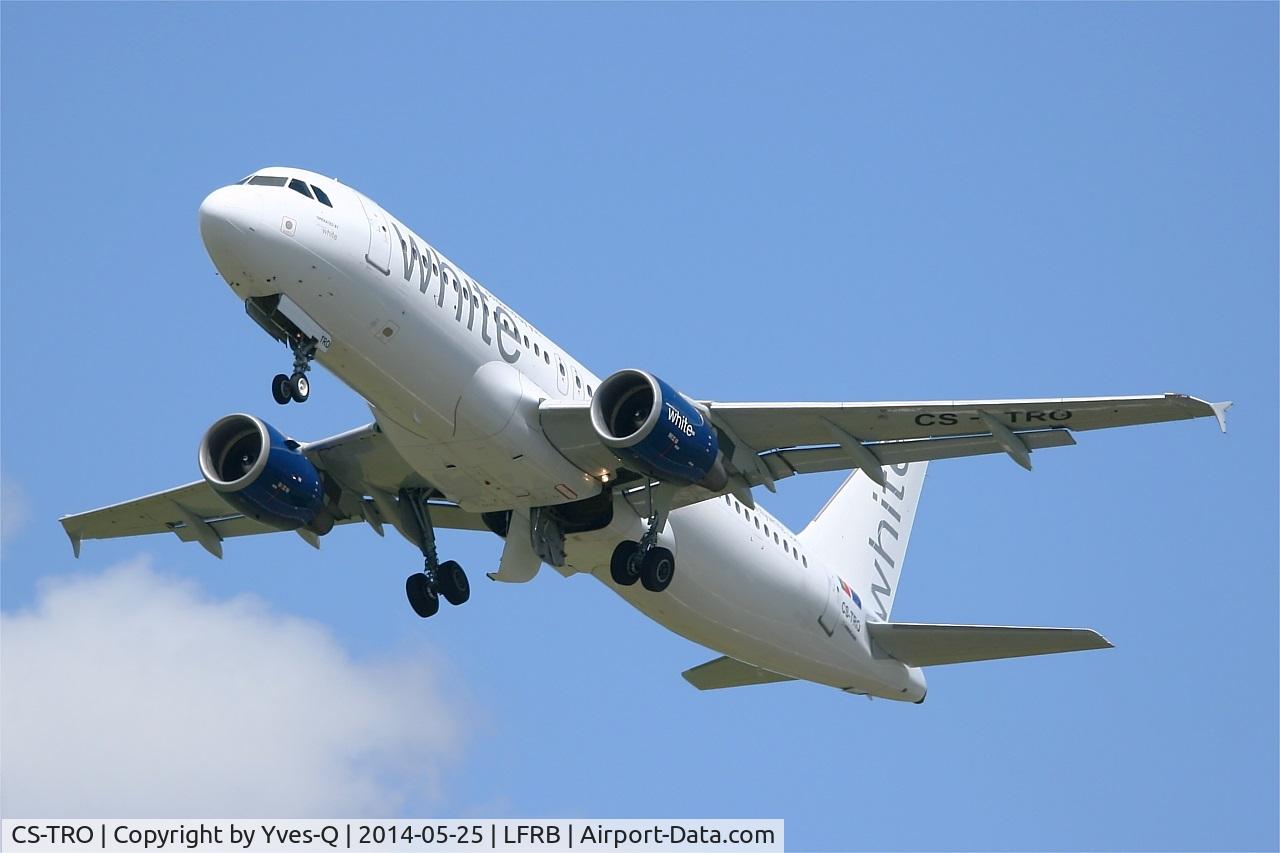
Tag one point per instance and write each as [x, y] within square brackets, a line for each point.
[362, 462]
[765, 442]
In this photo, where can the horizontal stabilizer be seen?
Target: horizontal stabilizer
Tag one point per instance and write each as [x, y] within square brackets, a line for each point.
[932, 645]
[727, 672]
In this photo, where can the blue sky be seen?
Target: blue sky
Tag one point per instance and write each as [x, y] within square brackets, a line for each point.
[837, 202]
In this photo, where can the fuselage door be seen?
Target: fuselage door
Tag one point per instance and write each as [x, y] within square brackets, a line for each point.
[562, 375]
[379, 254]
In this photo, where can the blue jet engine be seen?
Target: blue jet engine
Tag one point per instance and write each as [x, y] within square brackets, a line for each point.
[264, 475]
[653, 427]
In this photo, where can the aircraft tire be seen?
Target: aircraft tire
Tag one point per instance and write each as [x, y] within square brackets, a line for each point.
[454, 585]
[299, 387]
[657, 569]
[422, 598]
[281, 390]
[624, 565]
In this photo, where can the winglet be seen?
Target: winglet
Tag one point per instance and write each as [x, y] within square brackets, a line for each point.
[1220, 412]
[74, 536]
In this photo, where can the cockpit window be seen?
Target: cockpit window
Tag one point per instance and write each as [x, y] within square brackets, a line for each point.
[298, 186]
[321, 197]
[243, 180]
[267, 181]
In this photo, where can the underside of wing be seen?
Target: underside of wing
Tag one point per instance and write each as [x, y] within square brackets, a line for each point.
[761, 443]
[364, 471]
[770, 425]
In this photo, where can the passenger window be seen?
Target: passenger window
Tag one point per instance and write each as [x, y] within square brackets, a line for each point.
[536, 349]
[577, 381]
[562, 370]
[298, 186]
[267, 181]
[805, 560]
[546, 356]
[775, 538]
[786, 548]
[766, 530]
[589, 391]
[757, 521]
[320, 196]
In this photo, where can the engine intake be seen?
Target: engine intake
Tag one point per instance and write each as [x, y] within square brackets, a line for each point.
[263, 474]
[650, 425]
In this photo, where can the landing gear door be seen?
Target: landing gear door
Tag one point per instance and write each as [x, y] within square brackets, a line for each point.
[379, 254]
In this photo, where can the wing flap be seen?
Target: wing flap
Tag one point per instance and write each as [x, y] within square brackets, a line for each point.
[728, 672]
[933, 645]
[813, 460]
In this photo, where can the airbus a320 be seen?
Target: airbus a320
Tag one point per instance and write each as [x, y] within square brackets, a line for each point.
[482, 422]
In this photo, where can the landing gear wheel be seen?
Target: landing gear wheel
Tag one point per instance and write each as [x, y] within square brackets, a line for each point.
[281, 389]
[624, 566]
[422, 598]
[657, 569]
[454, 585]
[299, 387]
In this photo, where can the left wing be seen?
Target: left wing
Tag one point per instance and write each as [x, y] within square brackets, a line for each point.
[362, 462]
[765, 442]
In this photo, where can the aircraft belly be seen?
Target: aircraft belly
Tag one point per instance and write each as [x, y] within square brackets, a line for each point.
[733, 594]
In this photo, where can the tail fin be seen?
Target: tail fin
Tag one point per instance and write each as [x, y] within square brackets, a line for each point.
[863, 530]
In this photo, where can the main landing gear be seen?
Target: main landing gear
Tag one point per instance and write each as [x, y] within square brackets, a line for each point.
[436, 579]
[296, 387]
[645, 561]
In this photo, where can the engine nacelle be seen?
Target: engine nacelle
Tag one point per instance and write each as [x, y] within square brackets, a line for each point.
[657, 429]
[263, 474]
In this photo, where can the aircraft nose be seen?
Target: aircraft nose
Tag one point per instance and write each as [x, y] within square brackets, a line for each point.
[229, 216]
[224, 214]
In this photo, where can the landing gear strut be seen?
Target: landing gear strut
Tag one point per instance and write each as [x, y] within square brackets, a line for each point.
[296, 387]
[645, 561]
[436, 579]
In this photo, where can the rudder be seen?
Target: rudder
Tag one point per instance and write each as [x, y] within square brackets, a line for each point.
[862, 531]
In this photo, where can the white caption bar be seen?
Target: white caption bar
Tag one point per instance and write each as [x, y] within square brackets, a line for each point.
[213, 836]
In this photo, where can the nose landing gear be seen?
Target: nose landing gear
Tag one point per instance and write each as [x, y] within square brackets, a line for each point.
[436, 579]
[296, 387]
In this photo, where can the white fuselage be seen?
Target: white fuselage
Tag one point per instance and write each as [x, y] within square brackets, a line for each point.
[455, 376]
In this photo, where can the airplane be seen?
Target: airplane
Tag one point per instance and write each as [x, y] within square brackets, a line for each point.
[481, 422]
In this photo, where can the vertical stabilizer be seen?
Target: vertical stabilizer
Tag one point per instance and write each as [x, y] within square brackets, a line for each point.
[863, 530]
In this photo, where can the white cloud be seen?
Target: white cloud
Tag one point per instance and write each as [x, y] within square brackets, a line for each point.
[13, 508]
[132, 694]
